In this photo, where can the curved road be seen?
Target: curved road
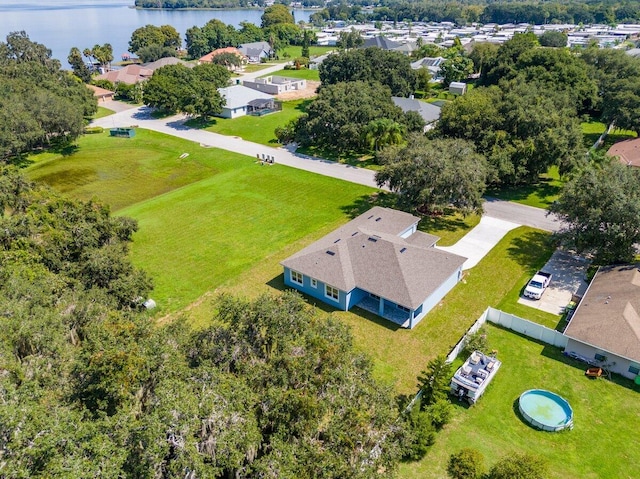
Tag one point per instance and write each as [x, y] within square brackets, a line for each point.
[494, 208]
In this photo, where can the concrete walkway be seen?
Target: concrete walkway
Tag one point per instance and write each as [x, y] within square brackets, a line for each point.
[480, 240]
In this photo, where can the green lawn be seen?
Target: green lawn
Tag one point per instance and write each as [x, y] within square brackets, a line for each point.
[293, 51]
[102, 112]
[259, 129]
[539, 195]
[606, 416]
[304, 73]
[203, 219]
[124, 171]
[591, 130]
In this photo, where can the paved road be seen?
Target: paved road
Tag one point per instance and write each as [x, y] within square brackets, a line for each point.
[503, 210]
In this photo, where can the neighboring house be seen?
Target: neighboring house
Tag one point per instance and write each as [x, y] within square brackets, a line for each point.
[379, 262]
[234, 51]
[256, 51]
[241, 101]
[606, 324]
[430, 63]
[429, 112]
[628, 151]
[457, 88]
[274, 85]
[101, 94]
[163, 62]
[130, 75]
[314, 63]
[387, 44]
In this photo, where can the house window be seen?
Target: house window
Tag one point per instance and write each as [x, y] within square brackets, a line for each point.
[406, 310]
[314, 283]
[331, 292]
[600, 357]
[634, 369]
[296, 277]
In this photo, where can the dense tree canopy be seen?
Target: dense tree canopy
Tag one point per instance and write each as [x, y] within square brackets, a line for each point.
[40, 104]
[433, 175]
[165, 36]
[341, 115]
[600, 207]
[392, 69]
[521, 129]
[90, 387]
[276, 14]
[177, 88]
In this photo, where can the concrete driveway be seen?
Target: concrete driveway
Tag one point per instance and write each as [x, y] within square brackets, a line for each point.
[568, 272]
[480, 240]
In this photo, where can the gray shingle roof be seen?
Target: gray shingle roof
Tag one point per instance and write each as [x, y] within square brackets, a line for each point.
[427, 111]
[608, 317]
[368, 253]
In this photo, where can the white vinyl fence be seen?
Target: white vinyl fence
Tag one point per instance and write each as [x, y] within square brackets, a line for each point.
[514, 323]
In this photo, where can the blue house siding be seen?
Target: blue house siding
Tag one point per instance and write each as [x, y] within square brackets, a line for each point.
[436, 297]
[318, 291]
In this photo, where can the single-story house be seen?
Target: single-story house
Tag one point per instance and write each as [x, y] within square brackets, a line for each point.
[429, 112]
[457, 88]
[241, 101]
[102, 94]
[388, 44]
[628, 151]
[163, 62]
[256, 51]
[379, 262]
[606, 324]
[232, 50]
[130, 75]
[274, 85]
[430, 63]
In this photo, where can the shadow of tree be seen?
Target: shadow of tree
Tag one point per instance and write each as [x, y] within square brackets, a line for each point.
[544, 188]
[445, 222]
[525, 250]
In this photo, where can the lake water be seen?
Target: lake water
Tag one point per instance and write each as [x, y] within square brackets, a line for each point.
[62, 24]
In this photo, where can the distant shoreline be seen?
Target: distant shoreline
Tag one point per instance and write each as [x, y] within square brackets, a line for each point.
[213, 9]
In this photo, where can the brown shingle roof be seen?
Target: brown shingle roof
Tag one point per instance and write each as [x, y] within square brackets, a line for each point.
[628, 151]
[130, 74]
[368, 253]
[209, 56]
[100, 92]
[608, 316]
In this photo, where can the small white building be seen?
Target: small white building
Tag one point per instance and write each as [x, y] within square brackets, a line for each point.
[458, 88]
[275, 85]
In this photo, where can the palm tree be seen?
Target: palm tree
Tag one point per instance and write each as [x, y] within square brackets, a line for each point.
[383, 132]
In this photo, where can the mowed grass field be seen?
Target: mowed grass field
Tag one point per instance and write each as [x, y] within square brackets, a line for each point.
[259, 129]
[203, 219]
[303, 73]
[606, 417]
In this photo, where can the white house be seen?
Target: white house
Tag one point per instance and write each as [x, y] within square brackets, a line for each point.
[241, 101]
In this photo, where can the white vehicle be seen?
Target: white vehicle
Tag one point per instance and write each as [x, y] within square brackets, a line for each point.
[537, 285]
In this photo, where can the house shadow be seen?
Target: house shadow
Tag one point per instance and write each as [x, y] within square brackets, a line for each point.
[277, 283]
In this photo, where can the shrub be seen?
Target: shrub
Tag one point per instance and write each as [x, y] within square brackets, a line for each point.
[439, 413]
[89, 130]
[420, 434]
[519, 466]
[475, 342]
[466, 464]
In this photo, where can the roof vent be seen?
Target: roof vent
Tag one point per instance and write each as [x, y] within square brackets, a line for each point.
[372, 239]
[331, 253]
[370, 217]
[336, 241]
[378, 218]
[403, 250]
[355, 233]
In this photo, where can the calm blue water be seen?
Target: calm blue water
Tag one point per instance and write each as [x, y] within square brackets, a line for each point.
[62, 24]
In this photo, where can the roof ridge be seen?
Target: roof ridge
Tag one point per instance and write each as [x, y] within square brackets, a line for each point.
[632, 319]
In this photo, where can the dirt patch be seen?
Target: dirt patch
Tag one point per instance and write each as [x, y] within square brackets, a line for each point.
[308, 92]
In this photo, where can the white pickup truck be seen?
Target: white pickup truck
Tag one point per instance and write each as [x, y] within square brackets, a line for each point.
[537, 285]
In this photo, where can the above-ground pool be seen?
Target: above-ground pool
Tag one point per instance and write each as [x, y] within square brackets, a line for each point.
[545, 410]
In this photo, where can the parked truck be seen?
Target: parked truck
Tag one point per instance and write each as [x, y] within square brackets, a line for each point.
[537, 285]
